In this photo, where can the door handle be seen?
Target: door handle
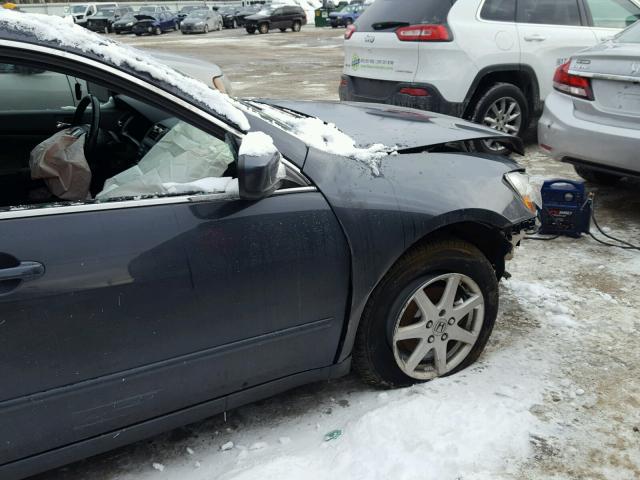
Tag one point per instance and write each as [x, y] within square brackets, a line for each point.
[534, 38]
[25, 271]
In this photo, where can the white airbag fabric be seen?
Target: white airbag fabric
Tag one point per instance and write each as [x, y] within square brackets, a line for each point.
[182, 157]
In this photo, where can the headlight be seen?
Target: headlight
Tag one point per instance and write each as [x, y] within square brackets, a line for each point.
[200, 24]
[519, 181]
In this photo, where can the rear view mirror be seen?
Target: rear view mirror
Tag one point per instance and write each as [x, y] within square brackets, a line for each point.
[258, 166]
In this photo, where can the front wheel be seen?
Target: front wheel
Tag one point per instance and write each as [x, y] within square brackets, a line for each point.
[430, 316]
[596, 176]
[251, 30]
[206, 28]
[296, 26]
[158, 31]
[263, 28]
[502, 107]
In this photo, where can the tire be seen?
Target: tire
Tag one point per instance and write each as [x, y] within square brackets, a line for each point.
[296, 26]
[206, 28]
[263, 28]
[234, 24]
[157, 31]
[596, 176]
[379, 360]
[251, 30]
[334, 25]
[283, 30]
[489, 105]
[138, 34]
[183, 32]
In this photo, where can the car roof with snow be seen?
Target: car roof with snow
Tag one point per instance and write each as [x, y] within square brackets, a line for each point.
[57, 33]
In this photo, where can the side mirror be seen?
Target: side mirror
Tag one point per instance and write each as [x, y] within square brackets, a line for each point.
[258, 166]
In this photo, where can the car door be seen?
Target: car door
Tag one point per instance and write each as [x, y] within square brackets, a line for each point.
[550, 32]
[609, 17]
[278, 18]
[115, 313]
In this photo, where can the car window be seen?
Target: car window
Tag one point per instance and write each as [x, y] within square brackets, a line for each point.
[499, 10]
[613, 13]
[25, 88]
[387, 15]
[150, 153]
[630, 35]
[549, 12]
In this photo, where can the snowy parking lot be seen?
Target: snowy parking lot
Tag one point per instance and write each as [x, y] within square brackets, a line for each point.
[556, 395]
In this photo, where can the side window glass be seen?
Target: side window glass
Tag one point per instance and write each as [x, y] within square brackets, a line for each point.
[30, 89]
[499, 10]
[613, 13]
[150, 153]
[549, 12]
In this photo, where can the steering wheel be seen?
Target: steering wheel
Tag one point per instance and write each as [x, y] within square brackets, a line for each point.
[94, 126]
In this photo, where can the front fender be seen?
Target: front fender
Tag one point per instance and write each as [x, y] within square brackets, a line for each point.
[414, 195]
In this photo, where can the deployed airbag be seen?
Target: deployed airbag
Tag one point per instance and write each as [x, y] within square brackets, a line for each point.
[61, 163]
[184, 155]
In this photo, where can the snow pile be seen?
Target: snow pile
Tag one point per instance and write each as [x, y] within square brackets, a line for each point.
[256, 144]
[203, 185]
[327, 137]
[50, 28]
[550, 302]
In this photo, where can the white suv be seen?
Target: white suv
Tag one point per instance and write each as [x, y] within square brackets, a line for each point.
[490, 61]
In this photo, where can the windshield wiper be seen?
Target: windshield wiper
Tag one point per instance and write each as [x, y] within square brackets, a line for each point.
[385, 25]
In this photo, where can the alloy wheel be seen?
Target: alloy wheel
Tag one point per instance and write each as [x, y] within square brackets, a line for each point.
[504, 115]
[438, 326]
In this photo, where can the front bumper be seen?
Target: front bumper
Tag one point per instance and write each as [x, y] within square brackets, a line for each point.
[568, 137]
[122, 29]
[191, 28]
[359, 89]
[97, 26]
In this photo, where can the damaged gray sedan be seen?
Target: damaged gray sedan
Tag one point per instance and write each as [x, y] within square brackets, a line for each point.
[169, 253]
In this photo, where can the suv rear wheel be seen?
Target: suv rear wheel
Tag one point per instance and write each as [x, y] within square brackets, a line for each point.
[502, 107]
[296, 26]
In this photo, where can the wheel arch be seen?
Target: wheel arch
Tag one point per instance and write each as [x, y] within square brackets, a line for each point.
[522, 76]
[482, 228]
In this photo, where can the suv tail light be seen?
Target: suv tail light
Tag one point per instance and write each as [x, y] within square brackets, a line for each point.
[349, 31]
[414, 92]
[570, 84]
[424, 33]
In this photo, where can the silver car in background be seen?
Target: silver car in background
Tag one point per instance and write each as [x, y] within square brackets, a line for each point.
[592, 118]
[201, 21]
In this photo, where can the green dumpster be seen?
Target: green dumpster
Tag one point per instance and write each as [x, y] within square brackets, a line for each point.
[322, 17]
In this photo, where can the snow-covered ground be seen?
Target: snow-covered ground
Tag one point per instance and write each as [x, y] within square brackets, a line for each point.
[556, 395]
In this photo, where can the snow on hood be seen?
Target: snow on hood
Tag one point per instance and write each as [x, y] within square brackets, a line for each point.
[50, 28]
[315, 133]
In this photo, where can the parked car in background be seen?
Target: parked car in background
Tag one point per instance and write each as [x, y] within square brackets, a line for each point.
[245, 12]
[405, 257]
[201, 21]
[154, 24]
[592, 118]
[490, 61]
[80, 12]
[346, 15]
[229, 16]
[124, 24]
[105, 17]
[187, 9]
[280, 17]
[153, 9]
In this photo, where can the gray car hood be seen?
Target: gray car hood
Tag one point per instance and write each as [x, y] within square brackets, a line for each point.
[406, 128]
